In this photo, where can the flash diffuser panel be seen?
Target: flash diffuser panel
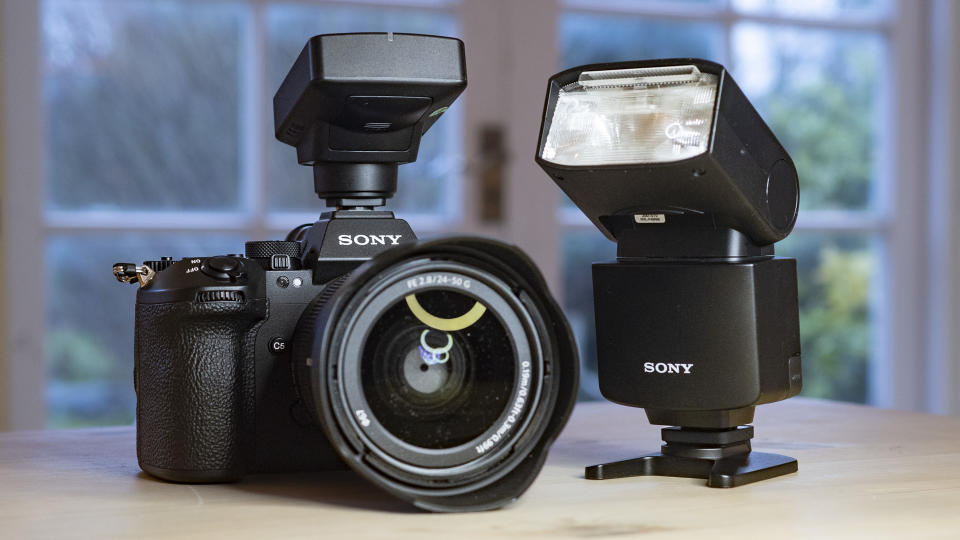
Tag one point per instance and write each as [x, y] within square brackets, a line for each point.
[625, 116]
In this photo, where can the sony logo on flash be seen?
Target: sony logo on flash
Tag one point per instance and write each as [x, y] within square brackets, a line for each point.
[663, 367]
[369, 239]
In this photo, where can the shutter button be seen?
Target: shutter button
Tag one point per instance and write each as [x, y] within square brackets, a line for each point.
[223, 264]
[223, 268]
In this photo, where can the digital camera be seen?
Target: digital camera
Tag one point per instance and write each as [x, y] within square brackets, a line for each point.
[441, 371]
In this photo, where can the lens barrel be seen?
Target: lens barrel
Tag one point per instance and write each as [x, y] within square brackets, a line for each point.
[440, 371]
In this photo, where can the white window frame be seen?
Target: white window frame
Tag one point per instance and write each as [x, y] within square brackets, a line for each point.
[511, 51]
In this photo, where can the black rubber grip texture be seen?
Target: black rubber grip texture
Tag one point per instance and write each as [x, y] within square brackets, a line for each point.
[268, 248]
[194, 376]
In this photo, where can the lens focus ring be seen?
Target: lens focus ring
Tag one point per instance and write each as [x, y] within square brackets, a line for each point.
[303, 341]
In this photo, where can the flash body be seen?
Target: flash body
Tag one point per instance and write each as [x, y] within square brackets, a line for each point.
[697, 345]
[697, 320]
[356, 105]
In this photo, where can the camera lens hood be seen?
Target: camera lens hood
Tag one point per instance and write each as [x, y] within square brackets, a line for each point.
[503, 456]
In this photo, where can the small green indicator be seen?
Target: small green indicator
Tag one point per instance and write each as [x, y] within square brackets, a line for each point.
[439, 111]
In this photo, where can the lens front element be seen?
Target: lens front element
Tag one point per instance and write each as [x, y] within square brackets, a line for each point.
[434, 388]
[440, 368]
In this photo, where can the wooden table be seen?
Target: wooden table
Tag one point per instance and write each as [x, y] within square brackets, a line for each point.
[864, 472]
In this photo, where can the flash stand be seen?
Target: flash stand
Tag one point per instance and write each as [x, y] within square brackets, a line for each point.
[722, 457]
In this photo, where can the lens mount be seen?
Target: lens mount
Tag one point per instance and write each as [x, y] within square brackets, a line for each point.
[440, 371]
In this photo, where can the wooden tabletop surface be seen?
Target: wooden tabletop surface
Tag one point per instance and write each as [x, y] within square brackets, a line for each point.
[864, 472]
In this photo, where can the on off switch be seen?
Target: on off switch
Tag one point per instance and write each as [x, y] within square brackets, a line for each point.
[223, 268]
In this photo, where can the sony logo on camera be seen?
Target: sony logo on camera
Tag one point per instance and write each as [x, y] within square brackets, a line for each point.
[664, 367]
[369, 239]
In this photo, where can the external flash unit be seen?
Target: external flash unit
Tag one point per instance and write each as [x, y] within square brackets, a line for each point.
[697, 320]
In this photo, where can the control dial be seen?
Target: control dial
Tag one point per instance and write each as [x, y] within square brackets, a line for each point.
[276, 254]
[162, 264]
[265, 249]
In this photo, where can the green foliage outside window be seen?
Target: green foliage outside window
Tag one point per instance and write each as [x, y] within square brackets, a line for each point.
[824, 110]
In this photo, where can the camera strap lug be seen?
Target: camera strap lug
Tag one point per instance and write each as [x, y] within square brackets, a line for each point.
[129, 273]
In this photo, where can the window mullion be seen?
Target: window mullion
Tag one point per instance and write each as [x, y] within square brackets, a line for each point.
[253, 137]
[22, 373]
[897, 375]
[529, 58]
[942, 390]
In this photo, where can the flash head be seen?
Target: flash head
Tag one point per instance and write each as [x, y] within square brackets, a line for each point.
[669, 141]
[356, 105]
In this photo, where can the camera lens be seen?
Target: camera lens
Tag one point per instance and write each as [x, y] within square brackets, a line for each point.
[438, 368]
[440, 371]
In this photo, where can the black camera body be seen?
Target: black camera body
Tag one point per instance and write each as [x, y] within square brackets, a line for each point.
[216, 397]
[441, 371]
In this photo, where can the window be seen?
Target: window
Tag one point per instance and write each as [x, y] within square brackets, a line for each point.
[824, 92]
[158, 141]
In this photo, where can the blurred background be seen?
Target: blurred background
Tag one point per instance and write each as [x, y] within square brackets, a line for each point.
[132, 129]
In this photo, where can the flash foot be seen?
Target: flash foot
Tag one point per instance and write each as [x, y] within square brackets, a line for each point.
[722, 457]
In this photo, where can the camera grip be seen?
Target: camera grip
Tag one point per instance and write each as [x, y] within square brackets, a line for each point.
[194, 377]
